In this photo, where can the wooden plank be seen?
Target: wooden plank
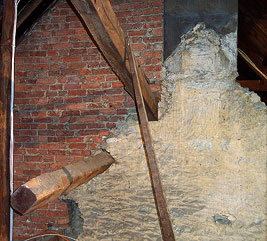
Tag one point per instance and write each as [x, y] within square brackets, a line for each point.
[49, 186]
[102, 23]
[254, 85]
[6, 53]
[163, 214]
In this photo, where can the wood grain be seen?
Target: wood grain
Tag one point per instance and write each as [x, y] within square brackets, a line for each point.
[254, 85]
[160, 201]
[103, 25]
[5, 95]
[49, 186]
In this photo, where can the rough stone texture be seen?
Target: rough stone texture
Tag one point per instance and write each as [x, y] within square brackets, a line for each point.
[211, 147]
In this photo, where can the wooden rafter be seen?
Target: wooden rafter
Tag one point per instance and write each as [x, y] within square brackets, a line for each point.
[29, 14]
[49, 186]
[102, 23]
[27, 11]
[6, 53]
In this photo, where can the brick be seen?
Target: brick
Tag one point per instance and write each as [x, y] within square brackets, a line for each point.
[95, 105]
[82, 153]
[122, 111]
[114, 104]
[77, 92]
[77, 146]
[91, 86]
[124, 14]
[57, 152]
[87, 119]
[137, 33]
[71, 58]
[80, 106]
[110, 125]
[57, 166]
[32, 172]
[108, 111]
[115, 98]
[46, 132]
[33, 158]
[73, 99]
[63, 221]
[104, 132]
[117, 85]
[79, 37]
[47, 146]
[89, 112]
[64, 133]
[72, 86]
[88, 132]
[75, 139]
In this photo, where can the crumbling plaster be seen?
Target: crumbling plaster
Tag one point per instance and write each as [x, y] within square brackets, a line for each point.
[211, 147]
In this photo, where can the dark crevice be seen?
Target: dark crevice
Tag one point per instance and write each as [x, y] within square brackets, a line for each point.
[75, 217]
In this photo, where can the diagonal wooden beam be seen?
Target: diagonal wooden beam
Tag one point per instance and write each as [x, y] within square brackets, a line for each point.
[159, 197]
[29, 14]
[102, 23]
[259, 70]
[49, 186]
[27, 11]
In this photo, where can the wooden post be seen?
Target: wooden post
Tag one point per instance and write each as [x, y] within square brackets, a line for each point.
[49, 186]
[6, 53]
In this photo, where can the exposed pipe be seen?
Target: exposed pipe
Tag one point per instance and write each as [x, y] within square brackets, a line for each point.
[11, 149]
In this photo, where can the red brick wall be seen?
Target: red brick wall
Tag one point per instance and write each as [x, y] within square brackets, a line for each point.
[67, 98]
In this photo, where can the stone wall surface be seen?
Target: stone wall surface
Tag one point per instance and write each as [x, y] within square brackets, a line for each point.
[211, 149]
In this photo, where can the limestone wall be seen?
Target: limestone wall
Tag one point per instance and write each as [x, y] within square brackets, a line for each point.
[211, 147]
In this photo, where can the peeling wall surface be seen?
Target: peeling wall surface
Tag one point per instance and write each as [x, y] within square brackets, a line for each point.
[211, 147]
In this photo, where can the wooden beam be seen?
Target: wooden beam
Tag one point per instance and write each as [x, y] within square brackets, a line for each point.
[102, 23]
[256, 68]
[29, 14]
[252, 33]
[254, 85]
[49, 186]
[161, 205]
[27, 11]
[6, 53]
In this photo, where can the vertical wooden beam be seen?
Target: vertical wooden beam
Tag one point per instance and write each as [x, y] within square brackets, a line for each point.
[8, 28]
[159, 197]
